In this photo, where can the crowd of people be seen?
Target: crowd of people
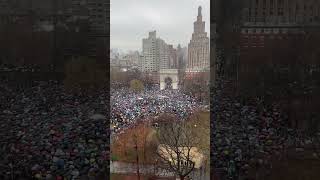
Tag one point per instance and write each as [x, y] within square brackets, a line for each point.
[248, 135]
[47, 133]
[127, 106]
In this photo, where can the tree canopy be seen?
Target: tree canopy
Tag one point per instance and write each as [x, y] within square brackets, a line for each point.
[136, 85]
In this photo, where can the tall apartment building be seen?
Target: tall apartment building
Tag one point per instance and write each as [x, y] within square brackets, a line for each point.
[140, 62]
[155, 52]
[173, 57]
[163, 50]
[198, 48]
[182, 53]
[179, 56]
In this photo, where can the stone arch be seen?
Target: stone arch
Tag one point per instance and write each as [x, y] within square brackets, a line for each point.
[168, 77]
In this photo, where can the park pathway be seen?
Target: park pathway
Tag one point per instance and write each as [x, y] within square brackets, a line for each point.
[117, 167]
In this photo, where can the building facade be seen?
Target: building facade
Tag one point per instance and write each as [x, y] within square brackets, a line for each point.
[155, 52]
[182, 57]
[173, 57]
[198, 48]
[162, 51]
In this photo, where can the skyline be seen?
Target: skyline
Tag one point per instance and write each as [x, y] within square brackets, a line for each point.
[145, 16]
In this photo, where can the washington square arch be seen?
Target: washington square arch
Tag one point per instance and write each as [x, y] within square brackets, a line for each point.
[169, 79]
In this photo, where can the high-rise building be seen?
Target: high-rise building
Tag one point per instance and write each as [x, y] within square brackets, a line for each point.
[198, 48]
[163, 50]
[155, 52]
[182, 57]
[140, 62]
[149, 52]
[173, 61]
[179, 57]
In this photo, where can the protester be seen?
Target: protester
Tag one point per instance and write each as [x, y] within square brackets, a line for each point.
[245, 135]
[47, 133]
[127, 106]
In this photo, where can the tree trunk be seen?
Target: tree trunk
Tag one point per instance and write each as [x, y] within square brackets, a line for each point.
[137, 158]
[144, 150]
[181, 177]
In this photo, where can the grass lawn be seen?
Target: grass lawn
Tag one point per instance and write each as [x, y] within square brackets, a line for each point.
[123, 149]
[200, 124]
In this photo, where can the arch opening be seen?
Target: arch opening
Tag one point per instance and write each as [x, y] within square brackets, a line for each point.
[168, 83]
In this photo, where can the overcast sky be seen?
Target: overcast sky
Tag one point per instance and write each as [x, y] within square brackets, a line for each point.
[131, 20]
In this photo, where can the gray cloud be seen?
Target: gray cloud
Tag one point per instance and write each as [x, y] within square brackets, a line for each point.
[131, 20]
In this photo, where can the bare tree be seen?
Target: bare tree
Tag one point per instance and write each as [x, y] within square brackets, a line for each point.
[198, 85]
[176, 149]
